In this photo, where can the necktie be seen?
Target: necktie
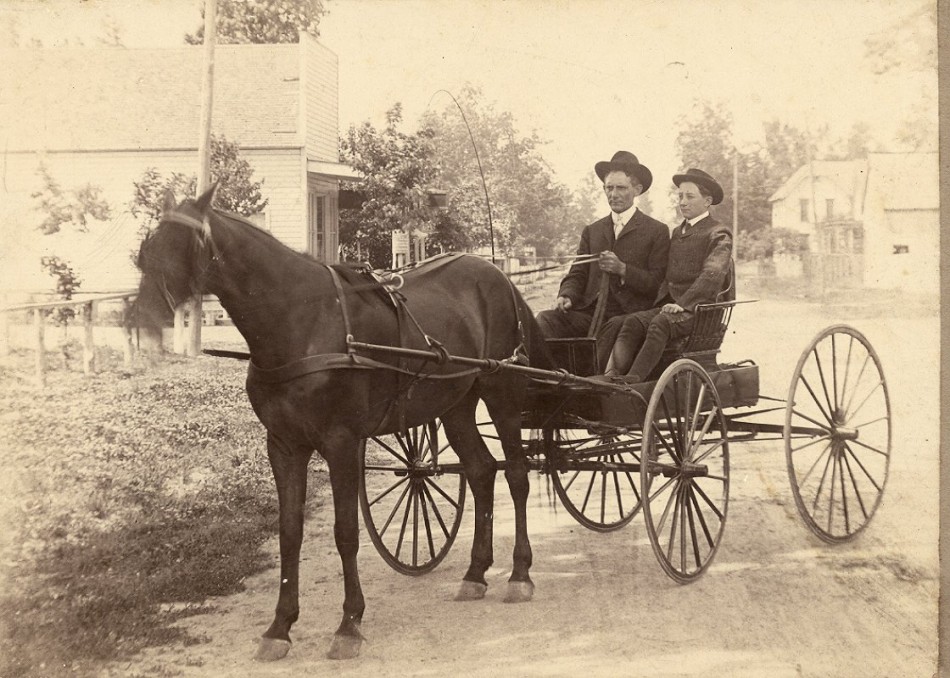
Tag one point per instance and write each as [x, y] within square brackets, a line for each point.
[618, 224]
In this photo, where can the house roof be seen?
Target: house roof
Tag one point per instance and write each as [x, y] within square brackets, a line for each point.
[903, 181]
[111, 98]
[906, 181]
[850, 175]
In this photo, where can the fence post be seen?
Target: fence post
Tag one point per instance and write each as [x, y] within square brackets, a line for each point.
[127, 332]
[38, 327]
[178, 339]
[88, 346]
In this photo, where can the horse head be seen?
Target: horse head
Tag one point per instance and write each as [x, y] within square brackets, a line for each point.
[173, 260]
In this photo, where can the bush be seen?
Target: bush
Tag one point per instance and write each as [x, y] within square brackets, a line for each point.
[132, 500]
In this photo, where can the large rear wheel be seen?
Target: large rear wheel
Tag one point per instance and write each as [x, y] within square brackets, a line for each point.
[412, 497]
[685, 472]
[838, 433]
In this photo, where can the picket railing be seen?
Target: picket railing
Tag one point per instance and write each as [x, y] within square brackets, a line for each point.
[87, 307]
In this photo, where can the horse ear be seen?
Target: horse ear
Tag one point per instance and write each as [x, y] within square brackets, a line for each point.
[169, 201]
[205, 199]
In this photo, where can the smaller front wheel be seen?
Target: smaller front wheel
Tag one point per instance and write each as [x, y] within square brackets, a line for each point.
[684, 474]
[412, 497]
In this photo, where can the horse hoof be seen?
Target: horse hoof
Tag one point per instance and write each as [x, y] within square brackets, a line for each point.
[272, 649]
[519, 592]
[345, 647]
[471, 590]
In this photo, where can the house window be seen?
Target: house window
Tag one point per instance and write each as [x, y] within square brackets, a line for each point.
[829, 208]
[901, 249]
[803, 207]
[317, 224]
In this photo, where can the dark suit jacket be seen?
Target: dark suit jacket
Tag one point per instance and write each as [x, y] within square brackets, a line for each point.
[700, 265]
[643, 246]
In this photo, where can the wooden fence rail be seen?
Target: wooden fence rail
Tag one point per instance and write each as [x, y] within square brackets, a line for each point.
[88, 307]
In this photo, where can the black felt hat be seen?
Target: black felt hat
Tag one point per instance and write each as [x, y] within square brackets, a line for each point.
[697, 176]
[625, 160]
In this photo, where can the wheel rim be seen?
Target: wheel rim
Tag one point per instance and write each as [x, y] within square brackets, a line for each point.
[596, 477]
[412, 507]
[838, 434]
[685, 474]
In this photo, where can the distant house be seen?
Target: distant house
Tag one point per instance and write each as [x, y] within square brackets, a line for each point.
[872, 222]
[102, 116]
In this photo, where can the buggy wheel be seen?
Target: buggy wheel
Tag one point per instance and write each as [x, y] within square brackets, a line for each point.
[685, 474]
[596, 476]
[838, 433]
[412, 497]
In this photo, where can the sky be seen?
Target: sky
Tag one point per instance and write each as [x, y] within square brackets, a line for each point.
[589, 76]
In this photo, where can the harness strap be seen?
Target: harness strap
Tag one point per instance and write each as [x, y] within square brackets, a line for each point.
[337, 361]
[341, 298]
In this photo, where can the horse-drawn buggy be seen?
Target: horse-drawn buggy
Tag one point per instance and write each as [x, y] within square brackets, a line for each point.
[661, 447]
[386, 383]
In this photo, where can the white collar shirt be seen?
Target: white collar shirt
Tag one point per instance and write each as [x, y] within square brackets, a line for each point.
[622, 219]
[695, 220]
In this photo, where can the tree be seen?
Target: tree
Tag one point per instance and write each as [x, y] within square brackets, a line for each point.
[75, 207]
[237, 191]
[528, 207]
[398, 170]
[906, 50]
[63, 208]
[263, 21]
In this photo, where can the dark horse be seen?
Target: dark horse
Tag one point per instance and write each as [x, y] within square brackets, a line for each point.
[311, 393]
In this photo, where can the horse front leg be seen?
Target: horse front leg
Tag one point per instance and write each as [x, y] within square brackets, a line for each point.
[289, 465]
[342, 455]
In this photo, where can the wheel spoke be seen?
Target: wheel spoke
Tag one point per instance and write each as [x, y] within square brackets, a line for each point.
[423, 500]
[675, 496]
[666, 509]
[699, 515]
[824, 385]
[675, 451]
[391, 450]
[438, 489]
[712, 448]
[847, 368]
[867, 359]
[854, 484]
[708, 501]
[804, 478]
[824, 474]
[809, 444]
[870, 477]
[692, 528]
[873, 389]
[435, 510]
[405, 520]
[816, 401]
[389, 489]
[666, 444]
[810, 420]
[869, 447]
[844, 496]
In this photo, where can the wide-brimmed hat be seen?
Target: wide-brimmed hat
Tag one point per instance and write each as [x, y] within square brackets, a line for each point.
[625, 160]
[697, 176]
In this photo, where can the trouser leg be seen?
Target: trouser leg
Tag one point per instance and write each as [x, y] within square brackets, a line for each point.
[559, 325]
[606, 338]
[662, 328]
[629, 340]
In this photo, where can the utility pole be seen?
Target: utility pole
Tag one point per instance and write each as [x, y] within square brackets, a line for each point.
[193, 347]
[735, 203]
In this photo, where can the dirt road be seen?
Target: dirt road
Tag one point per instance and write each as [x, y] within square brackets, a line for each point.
[776, 601]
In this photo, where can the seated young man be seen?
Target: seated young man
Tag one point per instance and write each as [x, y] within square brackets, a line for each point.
[700, 260]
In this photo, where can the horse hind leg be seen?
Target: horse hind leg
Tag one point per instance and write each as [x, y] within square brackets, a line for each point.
[341, 455]
[462, 433]
[506, 415]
